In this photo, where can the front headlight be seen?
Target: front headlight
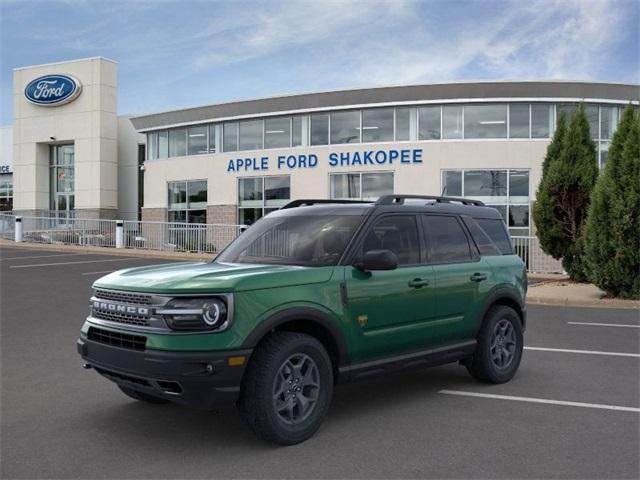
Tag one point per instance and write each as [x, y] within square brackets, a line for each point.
[195, 313]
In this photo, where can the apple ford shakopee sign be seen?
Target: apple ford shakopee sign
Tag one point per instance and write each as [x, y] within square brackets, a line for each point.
[53, 90]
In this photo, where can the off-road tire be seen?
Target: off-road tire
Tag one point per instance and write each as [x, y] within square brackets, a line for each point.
[256, 402]
[482, 365]
[141, 396]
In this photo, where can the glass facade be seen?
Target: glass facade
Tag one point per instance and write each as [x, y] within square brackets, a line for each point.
[360, 185]
[187, 201]
[6, 192]
[62, 178]
[508, 191]
[258, 196]
[375, 125]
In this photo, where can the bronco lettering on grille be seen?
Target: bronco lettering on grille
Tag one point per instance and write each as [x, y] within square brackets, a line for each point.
[114, 307]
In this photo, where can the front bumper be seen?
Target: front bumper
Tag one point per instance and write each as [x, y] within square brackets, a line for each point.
[203, 380]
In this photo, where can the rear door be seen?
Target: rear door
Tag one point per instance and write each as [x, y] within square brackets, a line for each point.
[461, 276]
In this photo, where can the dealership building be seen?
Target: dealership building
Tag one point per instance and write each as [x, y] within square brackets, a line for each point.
[231, 163]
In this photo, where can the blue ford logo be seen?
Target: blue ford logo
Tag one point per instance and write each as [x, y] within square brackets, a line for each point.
[53, 90]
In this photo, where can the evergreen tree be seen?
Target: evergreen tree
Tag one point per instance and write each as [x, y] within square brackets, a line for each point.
[549, 231]
[612, 237]
[564, 196]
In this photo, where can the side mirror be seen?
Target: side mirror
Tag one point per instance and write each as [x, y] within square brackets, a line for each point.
[377, 260]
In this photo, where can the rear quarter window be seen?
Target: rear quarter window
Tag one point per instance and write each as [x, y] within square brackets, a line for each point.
[495, 229]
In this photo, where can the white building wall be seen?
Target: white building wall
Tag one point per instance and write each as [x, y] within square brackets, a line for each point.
[6, 148]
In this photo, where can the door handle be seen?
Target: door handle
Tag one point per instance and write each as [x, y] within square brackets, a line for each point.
[478, 277]
[418, 282]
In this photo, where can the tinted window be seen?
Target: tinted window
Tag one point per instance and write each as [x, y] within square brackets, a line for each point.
[494, 228]
[485, 245]
[446, 240]
[398, 234]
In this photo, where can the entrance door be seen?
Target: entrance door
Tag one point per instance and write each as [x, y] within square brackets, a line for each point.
[390, 310]
[62, 181]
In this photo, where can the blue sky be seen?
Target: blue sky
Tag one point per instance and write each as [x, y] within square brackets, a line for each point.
[174, 54]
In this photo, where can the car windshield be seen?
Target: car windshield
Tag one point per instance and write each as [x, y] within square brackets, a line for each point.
[314, 240]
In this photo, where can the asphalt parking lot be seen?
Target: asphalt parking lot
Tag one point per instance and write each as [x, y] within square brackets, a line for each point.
[572, 411]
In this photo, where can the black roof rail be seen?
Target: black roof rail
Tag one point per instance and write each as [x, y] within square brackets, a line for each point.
[399, 199]
[309, 201]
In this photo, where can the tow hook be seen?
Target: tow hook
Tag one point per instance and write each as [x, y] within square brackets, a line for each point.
[86, 366]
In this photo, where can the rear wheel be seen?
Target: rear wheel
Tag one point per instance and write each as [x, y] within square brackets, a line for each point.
[500, 342]
[141, 396]
[287, 388]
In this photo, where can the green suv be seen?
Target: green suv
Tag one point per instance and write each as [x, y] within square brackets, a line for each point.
[316, 294]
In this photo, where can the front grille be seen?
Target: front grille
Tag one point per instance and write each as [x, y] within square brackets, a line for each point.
[125, 297]
[126, 318]
[116, 339]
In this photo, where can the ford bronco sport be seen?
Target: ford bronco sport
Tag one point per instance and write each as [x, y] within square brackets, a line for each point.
[316, 294]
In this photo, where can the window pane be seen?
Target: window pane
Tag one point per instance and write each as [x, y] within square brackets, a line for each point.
[376, 184]
[177, 195]
[481, 238]
[277, 191]
[497, 232]
[178, 216]
[152, 146]
[230, 137]
[567, 108]
[251, 135]
[250, 191]
[277, 132]
[490, 186]
[592, 117]
[178, 142]
[197, 216]
[345, 127]
[541, 120]
[64, 179]
[485, 121]
[519, 186]
[248, 216]
[197, 140]
[398, 234]
[345, 185]
[519, 216]
[212, 138]
[502, 210]
[452, 121]
[452, 183]
[377, 125]
[163, 144]
[296, 131]
[519, 120]
[320, 129]
[197, 194]
[608, 122]
[429, 123]
[403, 121]
[604, 153]
[446, 241]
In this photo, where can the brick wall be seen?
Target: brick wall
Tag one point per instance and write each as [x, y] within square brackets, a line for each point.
[222, 214]
[154, 214]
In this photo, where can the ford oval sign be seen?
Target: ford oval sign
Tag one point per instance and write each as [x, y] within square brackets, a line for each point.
[53, 90]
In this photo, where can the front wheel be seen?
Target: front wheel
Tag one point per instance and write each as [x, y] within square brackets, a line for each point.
[499, 350]
[287, 388]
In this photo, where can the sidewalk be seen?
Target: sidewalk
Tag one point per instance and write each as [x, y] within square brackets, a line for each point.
[127, 252]
[568, 293]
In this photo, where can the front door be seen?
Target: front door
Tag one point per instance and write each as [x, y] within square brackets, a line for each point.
[390, 310]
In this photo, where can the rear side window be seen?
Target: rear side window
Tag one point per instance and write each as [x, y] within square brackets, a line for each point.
[497, 232]
[446, 240]
[398, 234]
[481, 239]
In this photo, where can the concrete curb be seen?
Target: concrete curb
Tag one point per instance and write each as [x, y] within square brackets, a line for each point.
[569, 302]
[125, 252]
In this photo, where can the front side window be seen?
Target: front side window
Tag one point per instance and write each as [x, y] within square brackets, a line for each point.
[446, 240]
[187, 201]
[485, 121]
[361, 186]
[178, 142]
[345, 127]
[305, 240]
[377, 125]
[258, 196]
[397, 233]
[429, 123]
[277, 132]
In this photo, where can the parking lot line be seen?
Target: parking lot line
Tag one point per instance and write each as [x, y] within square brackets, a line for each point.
[587, 352]
[43, 256]
[540, 400]
[74, 263]
[604, 324]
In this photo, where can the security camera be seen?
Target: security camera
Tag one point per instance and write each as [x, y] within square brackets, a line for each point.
[53, 138]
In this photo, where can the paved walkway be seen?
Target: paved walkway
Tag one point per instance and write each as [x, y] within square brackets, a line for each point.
[565, 292]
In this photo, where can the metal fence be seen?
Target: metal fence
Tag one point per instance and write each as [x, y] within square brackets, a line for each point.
[537, 261]
[69, 231]
[180, 237]
[7, 226]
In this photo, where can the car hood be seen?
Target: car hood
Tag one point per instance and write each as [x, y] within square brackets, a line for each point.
[201, 277]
